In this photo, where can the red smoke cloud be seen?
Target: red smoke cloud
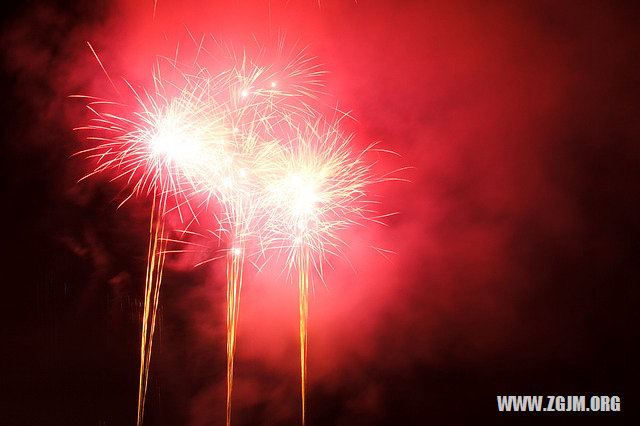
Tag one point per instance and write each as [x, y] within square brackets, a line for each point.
[518, 123]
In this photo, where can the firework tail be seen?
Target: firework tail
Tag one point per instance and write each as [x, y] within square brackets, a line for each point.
[235, 265]
[303, 289]
[153, 280]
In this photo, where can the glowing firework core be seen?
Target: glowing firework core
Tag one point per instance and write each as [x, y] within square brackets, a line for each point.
[175, 141]
[299, 192]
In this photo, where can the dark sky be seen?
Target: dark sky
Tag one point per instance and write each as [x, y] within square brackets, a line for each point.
[516, 245]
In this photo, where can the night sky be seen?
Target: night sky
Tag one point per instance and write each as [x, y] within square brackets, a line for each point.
[515, 268]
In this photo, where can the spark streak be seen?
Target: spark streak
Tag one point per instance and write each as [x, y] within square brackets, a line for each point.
[235, 265]
[303, 292]
[153, 280]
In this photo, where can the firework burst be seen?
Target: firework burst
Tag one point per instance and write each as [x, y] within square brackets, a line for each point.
[316, 188]
[248, 144]
[162, 148]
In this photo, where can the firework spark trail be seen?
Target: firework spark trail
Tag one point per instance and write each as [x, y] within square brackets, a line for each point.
[303, 291]
[153, 280]
[235, 265]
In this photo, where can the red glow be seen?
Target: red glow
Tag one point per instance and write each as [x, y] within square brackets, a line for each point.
[510, 249]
